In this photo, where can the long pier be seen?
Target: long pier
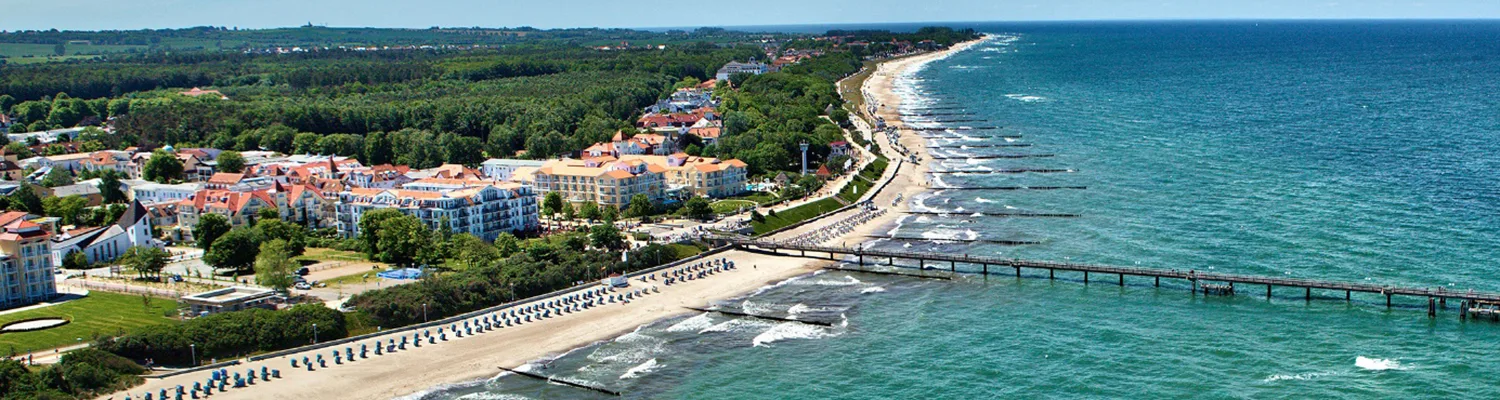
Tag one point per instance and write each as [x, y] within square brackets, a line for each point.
[1435, 297]
[991, 156]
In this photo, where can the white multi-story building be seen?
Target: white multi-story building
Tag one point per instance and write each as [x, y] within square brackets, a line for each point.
[483, 210]
[26, 274]
[107, 243]
[502, 169]
[151, 193]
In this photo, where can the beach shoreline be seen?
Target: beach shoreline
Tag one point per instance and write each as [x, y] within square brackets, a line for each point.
[413, 372]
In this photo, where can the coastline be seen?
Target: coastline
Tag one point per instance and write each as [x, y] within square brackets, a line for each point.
[412, 372]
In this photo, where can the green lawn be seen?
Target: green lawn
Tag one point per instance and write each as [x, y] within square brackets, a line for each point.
[100, 313]
[795, 215]
[864, 181]
[684, 251]
[15, 51]
[730, 206]
[355, 278]
[322, 254]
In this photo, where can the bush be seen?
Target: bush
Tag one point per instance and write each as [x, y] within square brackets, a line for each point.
[228, 335]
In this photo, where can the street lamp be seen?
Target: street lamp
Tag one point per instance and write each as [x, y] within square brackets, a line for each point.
[315, 333]
[194, 349]
[424, 312]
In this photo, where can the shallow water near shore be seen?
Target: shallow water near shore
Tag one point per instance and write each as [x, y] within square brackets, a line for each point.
[1348, 151]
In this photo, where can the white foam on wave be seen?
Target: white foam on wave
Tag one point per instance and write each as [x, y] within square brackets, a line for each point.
[1299, 377]
[982, 200]
[491, 396]
[1025, 98]
[736, 325]
[751, 307]
[696, 323]
[876, 289]
[1377, 364]
[789, 330]
[950, 234]
[643, 368]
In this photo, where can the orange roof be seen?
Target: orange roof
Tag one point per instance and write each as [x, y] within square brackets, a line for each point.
[11, 216]
[226, 178]
[619, 174]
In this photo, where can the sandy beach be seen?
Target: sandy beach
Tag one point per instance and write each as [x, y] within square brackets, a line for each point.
[415, 370]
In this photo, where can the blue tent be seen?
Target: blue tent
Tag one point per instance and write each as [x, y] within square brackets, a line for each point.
[403, 273]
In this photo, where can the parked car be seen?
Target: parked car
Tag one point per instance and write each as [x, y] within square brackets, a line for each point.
[303, 286]
[303, 271]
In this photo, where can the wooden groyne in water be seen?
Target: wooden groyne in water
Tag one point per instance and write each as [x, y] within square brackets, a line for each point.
[563, 382]
[956, 128]
[1435, 297]
[981, 146]
[1010, 188]
[1003, 171]
[995, 214]
[990, 156]
[757, 316]
[894, 273]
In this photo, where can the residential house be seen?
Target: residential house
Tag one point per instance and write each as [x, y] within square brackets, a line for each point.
[89, 190]
[238, 207]
[699, 176]
[109, 160]
[26, 268]
[148, 192]
[839, 148]
[107, 243]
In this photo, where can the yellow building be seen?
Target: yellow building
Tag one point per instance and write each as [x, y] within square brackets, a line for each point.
[604, 180]
[701, 176]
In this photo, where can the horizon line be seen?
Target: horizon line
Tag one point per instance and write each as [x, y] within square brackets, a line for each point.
[802, 24]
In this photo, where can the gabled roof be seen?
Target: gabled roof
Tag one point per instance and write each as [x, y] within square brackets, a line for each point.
[135, 213]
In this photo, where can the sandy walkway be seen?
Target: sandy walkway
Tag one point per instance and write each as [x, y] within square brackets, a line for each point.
[475, 357]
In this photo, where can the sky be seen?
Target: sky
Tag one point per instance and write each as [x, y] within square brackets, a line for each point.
[138, 14]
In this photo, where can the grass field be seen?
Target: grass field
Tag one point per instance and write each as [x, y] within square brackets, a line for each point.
[322, 254]
[100, 313]
[795, 215]
[684, 251]
[18, 50]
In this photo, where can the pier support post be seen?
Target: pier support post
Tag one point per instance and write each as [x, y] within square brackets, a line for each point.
[986, 269]
[1050, 273]
[1122, 280]
[1387, 300]
[1158, 281]
[1268, 291]
[1346, 296]
[952, 266]
[1463, 310]
[1018, 272]
[1085, 277]
[804, 253]
[1431, 307]
[1309, 294]
[861, 259]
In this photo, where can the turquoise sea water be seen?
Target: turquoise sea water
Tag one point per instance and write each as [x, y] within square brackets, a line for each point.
[1360, 151]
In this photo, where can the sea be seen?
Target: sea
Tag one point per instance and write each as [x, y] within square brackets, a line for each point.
[1361, 151]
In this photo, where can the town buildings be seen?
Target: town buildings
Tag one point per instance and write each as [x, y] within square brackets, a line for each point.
[479, 208]
[26, 268]
[607, 181]
[732, 68]
[106, 243]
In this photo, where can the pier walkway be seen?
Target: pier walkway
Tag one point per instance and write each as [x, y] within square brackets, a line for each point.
[1435, 296]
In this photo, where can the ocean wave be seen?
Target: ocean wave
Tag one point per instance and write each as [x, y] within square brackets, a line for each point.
[696, 323]
[1377, 364]
[751, 307]
[491, 396]
[876, 289]
[982, 200]
[950, 234]
[1025, 98]
[1299, 377]
[643, 368]
[789, 330]
[736, 325]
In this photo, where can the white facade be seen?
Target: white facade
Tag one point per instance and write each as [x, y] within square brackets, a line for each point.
[501, 169]
[152, 193]
[483, 211]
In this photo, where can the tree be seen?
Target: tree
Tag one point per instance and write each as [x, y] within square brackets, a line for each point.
[145, 260]
[378, 149]
[231, 161]
[552, 204]
[69, 209]
[209, 228]
[58, 176]
[235, 250]
[757, 217]
[611, 214]
[576, 242]
[109, 189]
[402, 240]
[568, 211]
[590, 211]
[470, 251]
[75, 260]
[640, 206]
[293, 236]
[606, 237]
[274, 267]
[162, 167]
[369, 227]
[59, 49]
[25, 199]
[5, 102]
[305, 143]
[698, 208]
[507, 244]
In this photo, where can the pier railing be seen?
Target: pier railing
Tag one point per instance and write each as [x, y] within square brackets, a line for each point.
[1435, 295]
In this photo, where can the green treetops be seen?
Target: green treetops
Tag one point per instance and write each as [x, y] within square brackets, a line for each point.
[162, 167]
